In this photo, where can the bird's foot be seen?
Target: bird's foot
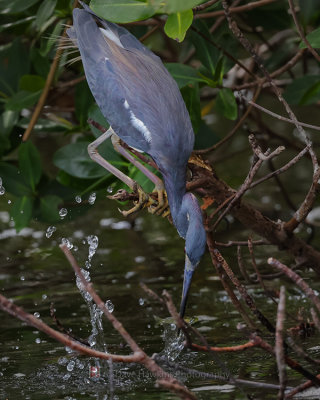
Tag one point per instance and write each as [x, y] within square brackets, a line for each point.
[161, 205]
[123, 195]
[138, 205]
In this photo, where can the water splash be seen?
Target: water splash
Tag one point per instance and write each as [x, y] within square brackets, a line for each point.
[50, 231]
[92, 198]
[67, 243]
[110, 306]
[93, 242]
[78, 199]
[173, 340]
[96, 338]
[110, 189]
[63, 212]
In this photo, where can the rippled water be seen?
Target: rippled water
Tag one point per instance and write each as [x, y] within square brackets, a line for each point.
[117, 254]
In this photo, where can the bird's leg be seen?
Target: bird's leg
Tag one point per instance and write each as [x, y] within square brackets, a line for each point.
[159, 186]
[133, 185]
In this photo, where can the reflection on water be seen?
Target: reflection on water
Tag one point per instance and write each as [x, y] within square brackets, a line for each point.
[115, 254]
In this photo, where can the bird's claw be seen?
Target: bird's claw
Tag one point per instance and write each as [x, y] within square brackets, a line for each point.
[161, 206]
[138, 205]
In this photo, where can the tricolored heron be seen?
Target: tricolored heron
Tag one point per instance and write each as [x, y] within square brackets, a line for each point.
[144, 107]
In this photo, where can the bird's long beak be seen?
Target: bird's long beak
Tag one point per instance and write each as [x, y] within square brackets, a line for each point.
[188, 273]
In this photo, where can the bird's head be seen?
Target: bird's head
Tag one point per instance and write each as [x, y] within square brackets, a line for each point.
[195, 236]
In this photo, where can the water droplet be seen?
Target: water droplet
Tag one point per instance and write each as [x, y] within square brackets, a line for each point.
[109, 189]
[44, 297]
[78, 199]
[66, 377]
[62, 360]
[70, 366]
[38, 340]
[67, 243]
[93, 242]
[63, 212]
[9, 201]
[110, 306]
[92, 198]
[173, 327]
[141, 301]
[50, 231]
[21, 212]
[22, 278]
[36, 314]
[2, 190]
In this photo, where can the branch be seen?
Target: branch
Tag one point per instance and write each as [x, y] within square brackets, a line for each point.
[301, 34]
[297, 280]
[9, 307]
[235, 10]
[279, 350]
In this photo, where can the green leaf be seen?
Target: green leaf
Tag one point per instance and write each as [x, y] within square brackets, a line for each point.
[8, 120]
[31, 83]
[21, 212]
[122, 11]
[226, 104]
[192, 99]
[183, 74]
[74, 159]
[14, 62]
[174, 6]
[40, 64]
[30, 164]
[47, 45]
[13, 181]
[15, 6]
[177, 25]
[44, 12]
[16, 22]
[301, 90]
[313, 38]
[22, 100]
[206, 52]
[83, 101]
[49, 208]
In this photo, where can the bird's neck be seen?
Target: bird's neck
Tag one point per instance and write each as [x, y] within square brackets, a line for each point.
[175, 184]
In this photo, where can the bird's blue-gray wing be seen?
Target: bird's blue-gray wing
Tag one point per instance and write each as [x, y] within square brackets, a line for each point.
[127, 40]
[135, 92]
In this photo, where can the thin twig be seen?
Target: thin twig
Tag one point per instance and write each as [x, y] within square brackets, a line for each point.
[301, 34]
[234, 10]
[226, 349]
[204, 5]
[218, 266]
[9, 307]
[282, 169]
[297, 280]
[279, 350]
[234, 129]
[281, 118]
